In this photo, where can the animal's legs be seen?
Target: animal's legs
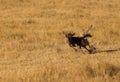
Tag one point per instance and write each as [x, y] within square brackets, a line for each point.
[87, 49]
[75, 49]
[81, 50]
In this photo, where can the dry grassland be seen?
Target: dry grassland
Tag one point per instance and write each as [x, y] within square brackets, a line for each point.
[33, 48]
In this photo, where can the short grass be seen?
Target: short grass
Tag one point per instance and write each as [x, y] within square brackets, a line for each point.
[34, 49]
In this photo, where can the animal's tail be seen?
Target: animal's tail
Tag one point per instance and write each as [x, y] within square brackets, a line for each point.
[87, 35]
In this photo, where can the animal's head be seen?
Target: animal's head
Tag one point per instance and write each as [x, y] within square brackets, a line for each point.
[68, 35]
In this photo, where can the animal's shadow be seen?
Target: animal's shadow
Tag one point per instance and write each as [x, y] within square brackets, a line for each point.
[108, 51]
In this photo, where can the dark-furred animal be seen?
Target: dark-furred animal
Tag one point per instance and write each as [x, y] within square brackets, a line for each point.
[81, 41]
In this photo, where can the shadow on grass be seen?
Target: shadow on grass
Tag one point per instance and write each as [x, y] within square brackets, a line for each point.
[108, 51]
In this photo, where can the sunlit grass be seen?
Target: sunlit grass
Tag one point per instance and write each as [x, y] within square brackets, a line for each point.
[33, 47]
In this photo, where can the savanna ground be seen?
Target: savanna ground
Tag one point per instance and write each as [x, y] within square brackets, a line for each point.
[33, 48]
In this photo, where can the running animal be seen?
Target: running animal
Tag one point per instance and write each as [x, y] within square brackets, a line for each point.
[81, 41]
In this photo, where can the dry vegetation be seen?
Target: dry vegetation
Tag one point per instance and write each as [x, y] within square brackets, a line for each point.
[33, 48]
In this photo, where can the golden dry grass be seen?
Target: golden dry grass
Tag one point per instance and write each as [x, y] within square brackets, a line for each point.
[33, 48]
